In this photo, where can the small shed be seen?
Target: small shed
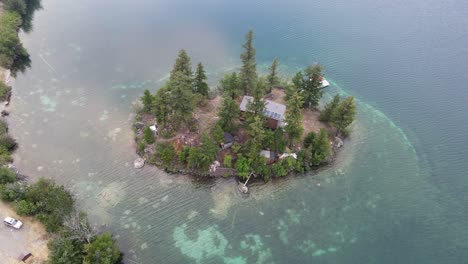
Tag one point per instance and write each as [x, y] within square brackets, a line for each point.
[228, 141]
[270, 156]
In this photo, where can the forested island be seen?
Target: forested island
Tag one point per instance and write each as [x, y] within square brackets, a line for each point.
[251, 125]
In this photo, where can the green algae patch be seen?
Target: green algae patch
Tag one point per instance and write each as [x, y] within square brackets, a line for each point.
[254, 244]
[49, 104]
[210, 243]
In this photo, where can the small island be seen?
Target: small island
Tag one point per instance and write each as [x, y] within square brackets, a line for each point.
[250, 125]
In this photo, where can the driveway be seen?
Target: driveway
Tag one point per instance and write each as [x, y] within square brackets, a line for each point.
[31, 238]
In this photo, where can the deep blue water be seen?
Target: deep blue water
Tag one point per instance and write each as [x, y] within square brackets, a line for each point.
[397, 193]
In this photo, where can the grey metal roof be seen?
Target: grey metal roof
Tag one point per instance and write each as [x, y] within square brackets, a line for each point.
[272, 109]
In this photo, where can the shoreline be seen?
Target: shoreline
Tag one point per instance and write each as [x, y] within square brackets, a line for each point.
[34, 237]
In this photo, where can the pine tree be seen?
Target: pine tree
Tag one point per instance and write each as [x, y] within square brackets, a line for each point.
[230, 85]
[256, 132]
[228, 113]
[182, 65]
[218, 134]
[200, 85]
[273, 78]
[327, 112]
[309, 84]
[248, 74]
[181, 96]
[208, 149]
[344, 114]
[321, 148]
[293, 118]
[162, 105]
[148, 135]
[147, 100]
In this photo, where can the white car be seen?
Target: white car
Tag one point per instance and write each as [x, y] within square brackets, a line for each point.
[9, 221]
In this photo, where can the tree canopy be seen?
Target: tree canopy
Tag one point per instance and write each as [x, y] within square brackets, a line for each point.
[200, 86]
[248, 73]
[182, 65]
[293, 117]
[309, 84]
[344, 114]
[272, 77]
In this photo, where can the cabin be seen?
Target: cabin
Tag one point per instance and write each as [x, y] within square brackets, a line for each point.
[269, 156]
[228, 141]
[274, 112]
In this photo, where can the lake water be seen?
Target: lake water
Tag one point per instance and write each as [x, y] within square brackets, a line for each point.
[397, 193]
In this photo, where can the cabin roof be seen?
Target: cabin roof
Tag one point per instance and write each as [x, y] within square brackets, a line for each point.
[267, 154]
[228, 138]
[273, 110]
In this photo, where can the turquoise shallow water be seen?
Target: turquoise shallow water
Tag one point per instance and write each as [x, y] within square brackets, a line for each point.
[396, 194]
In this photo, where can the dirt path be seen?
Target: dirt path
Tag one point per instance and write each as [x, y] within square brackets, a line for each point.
[31, 238]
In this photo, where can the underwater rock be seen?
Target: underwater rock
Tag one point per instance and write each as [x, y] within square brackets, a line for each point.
[139, 163]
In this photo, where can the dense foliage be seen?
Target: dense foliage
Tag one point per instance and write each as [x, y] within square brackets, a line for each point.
[262, 148]
[18, 14]
[74, 239]
[340, 113]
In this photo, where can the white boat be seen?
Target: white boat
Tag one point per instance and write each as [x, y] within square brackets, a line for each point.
[325, 83]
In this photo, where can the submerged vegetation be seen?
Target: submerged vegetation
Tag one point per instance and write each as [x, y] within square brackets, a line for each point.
[250, 125]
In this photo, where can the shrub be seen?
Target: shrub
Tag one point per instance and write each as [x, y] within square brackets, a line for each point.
[65, 250]
[3, 126]
[24, 207]
[227, 161]
[18, 6]
[4, 91]
[7, 176]
[141, 147]
[148, 135]
[183, 155]
[7, 142]
[103, 250]
[167, 156]
[12, 192]
[52, 203]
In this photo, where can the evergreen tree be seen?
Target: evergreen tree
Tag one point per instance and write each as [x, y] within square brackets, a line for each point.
[208, 150]
[257, 105]
[243, 167]
[218, 134]
[147, 100]
[230, 85]
[162, 105]
[248, 74]
[344, 114]
[181, 97]
[148, 135]
[309, 84]
[182, 65]
[293, 118]
[329, 109]
[273, 78]
[256, 132]
[200, 85]
[321, 150]
[228, 113]
[279, 143]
